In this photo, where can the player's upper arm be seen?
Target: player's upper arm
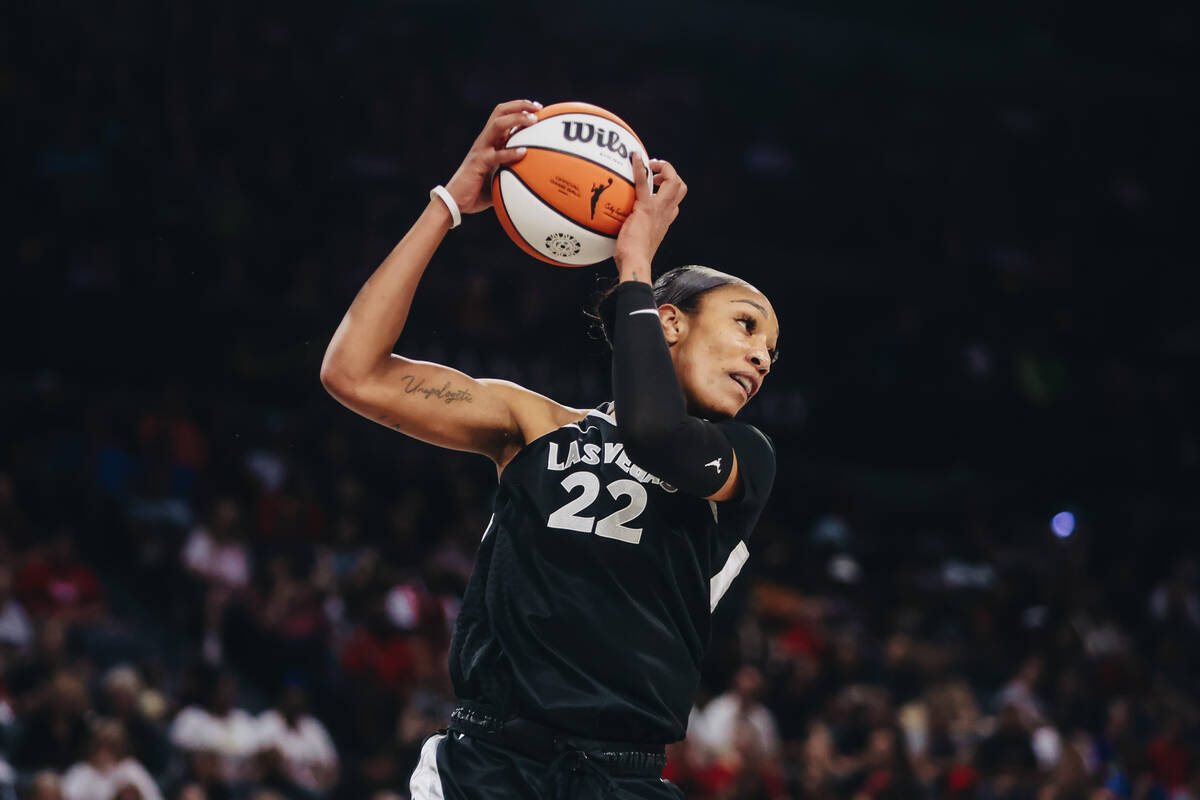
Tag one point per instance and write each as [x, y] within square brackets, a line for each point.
[445, 407]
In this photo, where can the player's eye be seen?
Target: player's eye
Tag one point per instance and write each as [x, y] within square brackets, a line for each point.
[749, 323]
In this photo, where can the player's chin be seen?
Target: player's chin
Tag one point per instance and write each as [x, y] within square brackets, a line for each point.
[726, 406]
[716, 402]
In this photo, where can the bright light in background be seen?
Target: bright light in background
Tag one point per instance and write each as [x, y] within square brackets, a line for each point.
[1063, 524]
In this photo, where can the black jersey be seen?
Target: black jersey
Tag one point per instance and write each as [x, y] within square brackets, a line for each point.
[589, 607]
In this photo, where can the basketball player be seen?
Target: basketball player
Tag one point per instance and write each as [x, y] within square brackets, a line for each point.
[615, 530]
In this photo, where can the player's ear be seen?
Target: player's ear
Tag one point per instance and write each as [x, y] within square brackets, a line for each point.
[674, 322]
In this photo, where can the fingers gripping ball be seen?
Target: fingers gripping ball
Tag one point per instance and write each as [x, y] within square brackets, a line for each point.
[565, 201]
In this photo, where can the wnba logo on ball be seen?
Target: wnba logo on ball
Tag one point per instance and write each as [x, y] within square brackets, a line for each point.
[584, 132]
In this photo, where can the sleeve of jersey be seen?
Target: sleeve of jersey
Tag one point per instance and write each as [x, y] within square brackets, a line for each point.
[660, 436]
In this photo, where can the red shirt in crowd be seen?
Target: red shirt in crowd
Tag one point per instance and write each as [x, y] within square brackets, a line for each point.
[69, 590]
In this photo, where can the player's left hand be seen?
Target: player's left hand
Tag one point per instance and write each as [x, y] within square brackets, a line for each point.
[653, 212]
[471, 185]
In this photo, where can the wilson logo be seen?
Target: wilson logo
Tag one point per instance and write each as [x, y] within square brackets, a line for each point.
[584, 132]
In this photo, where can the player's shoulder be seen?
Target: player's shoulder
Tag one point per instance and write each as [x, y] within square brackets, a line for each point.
[744, 435]
[756, 462]
[534, 413]
[603, 413]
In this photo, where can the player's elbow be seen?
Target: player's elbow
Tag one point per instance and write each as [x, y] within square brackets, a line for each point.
[658, 459]
[338, 381]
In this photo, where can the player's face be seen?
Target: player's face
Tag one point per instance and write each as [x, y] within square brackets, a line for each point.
[723, 350]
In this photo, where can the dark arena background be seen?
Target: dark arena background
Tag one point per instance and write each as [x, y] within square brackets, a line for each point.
[977, 576]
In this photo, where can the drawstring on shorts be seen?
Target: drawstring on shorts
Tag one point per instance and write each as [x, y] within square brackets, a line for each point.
[595, 761]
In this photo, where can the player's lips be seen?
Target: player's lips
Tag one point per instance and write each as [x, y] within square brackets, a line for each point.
[747, 381]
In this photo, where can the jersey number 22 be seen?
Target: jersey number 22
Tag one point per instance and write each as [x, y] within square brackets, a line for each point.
[569, 518]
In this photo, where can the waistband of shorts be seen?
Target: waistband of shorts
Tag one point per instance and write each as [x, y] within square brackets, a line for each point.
[541, 743]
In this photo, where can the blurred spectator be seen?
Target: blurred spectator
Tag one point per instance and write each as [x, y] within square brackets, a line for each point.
[947, 737]
[216, 553]
[736, 741]
[684, 769]
[217, 556]
[56, 732]
[156, 514]
[1006, 757]
[1020, 693]
[289, 514]
[45, 785]
[847, 663]
[28, 676]
[1175, 603]
[16, 631]
[379, 654]
[218, 739]
[290, 619]
[737, 715]
[1172, 761]
[168, 430]
[295, 745]
[57, 584]
[1192, 790]
[8, 781]
[886, 769]
[108, 773]
[1070, 778]
[900, 673]
[1117, 734]
[191, 791]
[823, 773]
[121, 701]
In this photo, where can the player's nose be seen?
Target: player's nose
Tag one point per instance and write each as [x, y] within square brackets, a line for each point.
[761, 360]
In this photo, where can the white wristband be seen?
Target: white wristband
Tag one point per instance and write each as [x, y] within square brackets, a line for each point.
[455, 214]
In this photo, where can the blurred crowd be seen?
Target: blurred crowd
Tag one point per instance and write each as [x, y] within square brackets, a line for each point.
[976, 579]
[188, 611]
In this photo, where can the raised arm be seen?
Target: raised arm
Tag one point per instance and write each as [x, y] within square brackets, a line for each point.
[659, 432]
[428, 401]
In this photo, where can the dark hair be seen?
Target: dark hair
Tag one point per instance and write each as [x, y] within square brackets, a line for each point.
[682, 287]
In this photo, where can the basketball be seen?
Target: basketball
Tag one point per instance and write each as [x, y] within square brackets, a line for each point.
[565, 201]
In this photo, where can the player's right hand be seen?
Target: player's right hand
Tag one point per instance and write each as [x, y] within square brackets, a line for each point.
[471, 185]
[652, 214]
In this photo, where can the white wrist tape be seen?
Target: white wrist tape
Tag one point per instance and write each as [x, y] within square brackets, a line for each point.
[455, 215]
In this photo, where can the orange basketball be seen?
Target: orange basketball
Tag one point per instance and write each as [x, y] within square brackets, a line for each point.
[566, 199]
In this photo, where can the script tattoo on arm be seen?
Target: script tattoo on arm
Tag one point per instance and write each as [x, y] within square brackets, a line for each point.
[446, 393]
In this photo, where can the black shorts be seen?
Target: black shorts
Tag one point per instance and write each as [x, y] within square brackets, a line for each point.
[457, 765]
